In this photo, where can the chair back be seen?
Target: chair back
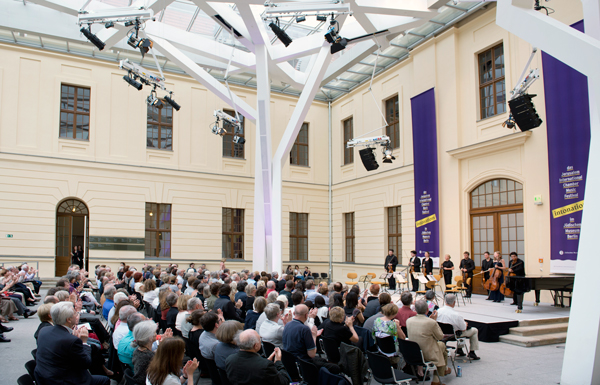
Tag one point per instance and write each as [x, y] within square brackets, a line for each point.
[213, 371]
[446, 328]
[332, 349]
[352, 275]
[324, 276]
[309, 372]
[30, 366]
[25, 379]
[372, 275]
[33, 353]
[386, 345]
[430, 285]
[381, 368]
[411, 352]
[328, 378]
[289, 361]
[365, 338]
[404, 330]
[268, 348]
[223, 375]
[129, 377]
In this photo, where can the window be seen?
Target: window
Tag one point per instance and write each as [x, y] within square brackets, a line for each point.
[233, 233]
[492, 91]
[348, 135]
[349, 219]
[159, 127]
[395, 230]
[230, 149]
[393, 120]
[298, 237]
[299, 153]
[158, 230]
[74, 112]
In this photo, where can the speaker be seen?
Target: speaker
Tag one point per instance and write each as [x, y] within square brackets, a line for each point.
[523, 112]
[368, 159]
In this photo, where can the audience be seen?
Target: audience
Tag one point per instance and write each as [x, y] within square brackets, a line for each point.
[43, 313]
[448, 315]
[270, 330]
[298, 338]
[125, 348]
[166, 364]
[339, 327]
[372, 306]
[208, 340]
[224, 303]
[226, 346]
[384, 299]
[252, 316]
[405, 312]
[122, 329]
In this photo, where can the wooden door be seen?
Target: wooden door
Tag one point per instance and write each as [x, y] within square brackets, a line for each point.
[63, 244]
[483, 235]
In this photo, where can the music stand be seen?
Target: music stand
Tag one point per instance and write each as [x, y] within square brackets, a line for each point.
[387, 277]
[432, 278]
[400, 281]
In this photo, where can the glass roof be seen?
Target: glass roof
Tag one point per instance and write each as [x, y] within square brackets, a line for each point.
[187, 16]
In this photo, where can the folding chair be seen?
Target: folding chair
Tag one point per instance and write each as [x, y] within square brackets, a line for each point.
[462, 289]
[331, 349]
[268, 348]
[214, 372]
[365, 338]
[386, 345]
[308, 371]
[383, 372]
[461, 343]
[289, 362]
[223, 375]
[384, 283]
[352, 277]
[30, 366]
[325, 277]
[25, 379]
[449, 336]
[414, 356]
[33, 353]
[328, 378]
[129, 377]
[430, 285]
[316, 278]
[373, 281]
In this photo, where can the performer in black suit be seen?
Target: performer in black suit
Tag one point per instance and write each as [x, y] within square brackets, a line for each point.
[415, 263]
[467, 265]
[487, 264]
[427, 264]
[517, 267]
[447, 268]
[390, 262]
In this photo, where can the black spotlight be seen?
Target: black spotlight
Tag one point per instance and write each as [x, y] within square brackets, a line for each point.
[339, 45]
[173, 103]
[300, 19]
[238, 140]
[92, 38]
[132, 82]
[368, 159]
[321, 17]
[523, 112]
[108, 25]
[280, 33]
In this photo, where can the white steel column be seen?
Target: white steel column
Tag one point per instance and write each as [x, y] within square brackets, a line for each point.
[581, 363]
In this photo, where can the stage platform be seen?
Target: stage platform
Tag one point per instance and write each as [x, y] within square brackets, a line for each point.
[494, 319]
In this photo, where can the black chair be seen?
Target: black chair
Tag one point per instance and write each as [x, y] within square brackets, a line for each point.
[268, 348]
[309, 372]
[30, 366]
[383, 372]
[386, 345]
[25, 379]
[289, 362]
[365, 336]
[331, 349]
[128, 373]
[34, 353]
[328, 378]
[449, 336]
[223, 375]
[404, 330]
[213, 371]
[149, 310]
[413, 356]
[325, 277]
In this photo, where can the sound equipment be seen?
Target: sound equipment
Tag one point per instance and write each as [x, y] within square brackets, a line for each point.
[524, 113]
[368, 159]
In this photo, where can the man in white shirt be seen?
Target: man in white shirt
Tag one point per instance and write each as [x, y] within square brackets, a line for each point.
[271, 330]
[122, 330]
[448, 315]
[118, 297]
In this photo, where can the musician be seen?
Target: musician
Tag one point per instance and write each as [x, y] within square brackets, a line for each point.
[498, 262]
[447, 268]
[415, 263]
[467, 265]
[390, 262]
[487, 264]
[517, 266]
[427, 264]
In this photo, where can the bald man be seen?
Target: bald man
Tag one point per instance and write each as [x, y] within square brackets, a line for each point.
[298, 338]
[247, 367]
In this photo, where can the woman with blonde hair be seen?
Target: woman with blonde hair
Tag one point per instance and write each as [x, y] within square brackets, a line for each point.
[225, 334]
[183, 310]
[165, 366]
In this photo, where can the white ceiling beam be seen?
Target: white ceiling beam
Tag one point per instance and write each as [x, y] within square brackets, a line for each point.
[301, 47]
[410, 8]
[349, 59]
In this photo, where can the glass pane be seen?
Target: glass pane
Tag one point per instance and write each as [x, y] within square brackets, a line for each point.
[482, 201]
[503, 220]
[165, 216]
[519, 196]
[512, 233]
[499, 61]
[475, 236]
[512, 220]
[474, 202]
[151, 215]
[504, 233]
[490, 246]
[502, 184]
[511, 197]
[520, 219]
[521, 248]
[483, 234]
[70, 118]
[520, 233]
[488, 200]
[477, 247]
[505, 249]
[490, 222]
[490, 234]
[485, 67]
[503, 198]
[496, 199]
[475, 222]
[510, 185]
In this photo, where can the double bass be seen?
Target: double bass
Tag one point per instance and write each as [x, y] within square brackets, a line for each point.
[505, 290]
[492, 283]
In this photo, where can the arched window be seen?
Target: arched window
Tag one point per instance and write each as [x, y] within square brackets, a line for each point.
[71, 231]
[497, 222]
[73, 206]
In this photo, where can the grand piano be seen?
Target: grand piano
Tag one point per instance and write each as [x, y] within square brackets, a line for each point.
[557, 284]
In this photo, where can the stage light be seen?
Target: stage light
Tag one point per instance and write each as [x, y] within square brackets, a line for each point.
[143, 45]
[339, 45]
[87, 32]
[387, 156]
[173, 103]
[153, 100]
[218, 130]
[132, 82]
[280, 33]
[238, 140]
[321, 17]
[129, 23]
[524, 113]
[300, 19]
[108, 25]
[368, 159]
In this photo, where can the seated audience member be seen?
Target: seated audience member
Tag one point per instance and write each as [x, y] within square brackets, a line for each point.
[250, 296]
[289, 286]
[252, 316]
[270, 330]
[230, 310]
[190, 285]
[384, 299]
[339, 327]
[298, 338]
[405, 312]
[195, 333]
[387, 326]
[208, 340]
[125, 348]
[214, 292]
[311, 292]
[322, 309]
[226, 347]
[241, 293]
[149, 290]
[63, 356]
[113, 314]
[165, 367]
[192, 305]
[270, 287]
[448, 315]
[354, 308]
[248, 368]
[7, 307]
[171, 316]
[50, 299]
[144, 335]
[122, 330]
[372, 301]
[183, 310]
[43, 313]
[109, 292]
[427, 333]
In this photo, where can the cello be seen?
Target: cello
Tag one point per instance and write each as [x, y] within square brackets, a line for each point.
[492, 283]
[505, 290]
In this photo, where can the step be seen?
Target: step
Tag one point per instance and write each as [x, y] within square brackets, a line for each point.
[543, 321]
[527, 342]
[536, 330]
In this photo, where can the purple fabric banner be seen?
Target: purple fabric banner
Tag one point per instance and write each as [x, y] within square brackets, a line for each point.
[427, 221]
[568, 130]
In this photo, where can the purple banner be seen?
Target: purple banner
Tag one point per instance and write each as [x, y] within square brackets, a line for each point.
[568, 130]
[427, 220]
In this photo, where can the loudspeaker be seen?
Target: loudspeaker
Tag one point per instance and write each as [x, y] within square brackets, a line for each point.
[368, 159]
[523, 112]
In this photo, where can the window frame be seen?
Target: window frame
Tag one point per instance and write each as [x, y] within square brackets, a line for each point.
[395, 124]
[397, 236]
[297, 145]
[349, 223]
[295, 218]
[493, 82]
[158, 231]
[347, 134]
[75, 113]
[160, 124]
[231, 232]
[236, 150]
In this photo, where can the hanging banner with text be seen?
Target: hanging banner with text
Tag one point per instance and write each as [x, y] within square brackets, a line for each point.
[427, 217]
[568, 129]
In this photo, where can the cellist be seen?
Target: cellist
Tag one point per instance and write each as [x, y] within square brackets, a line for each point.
[467, 265]
[486, 265]
[498, 270]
